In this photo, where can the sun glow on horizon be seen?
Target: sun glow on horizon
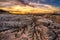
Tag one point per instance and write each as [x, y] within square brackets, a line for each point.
[18, 9]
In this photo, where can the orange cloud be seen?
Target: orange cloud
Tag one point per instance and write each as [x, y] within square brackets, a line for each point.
[33, 8]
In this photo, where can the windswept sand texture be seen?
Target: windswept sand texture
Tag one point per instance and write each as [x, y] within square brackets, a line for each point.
[28, 27]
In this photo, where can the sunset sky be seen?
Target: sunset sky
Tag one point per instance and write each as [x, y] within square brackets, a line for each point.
[28, 6]
[51, 2]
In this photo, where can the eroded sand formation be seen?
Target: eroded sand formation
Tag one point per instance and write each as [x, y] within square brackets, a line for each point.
[28, 27]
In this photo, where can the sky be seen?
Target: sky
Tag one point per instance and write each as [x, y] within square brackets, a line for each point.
[50, 2]
[42, 5]
[53, 2]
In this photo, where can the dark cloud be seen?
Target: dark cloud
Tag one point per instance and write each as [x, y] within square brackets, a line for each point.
[24, 1]
[5, 0]
[13, 2]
